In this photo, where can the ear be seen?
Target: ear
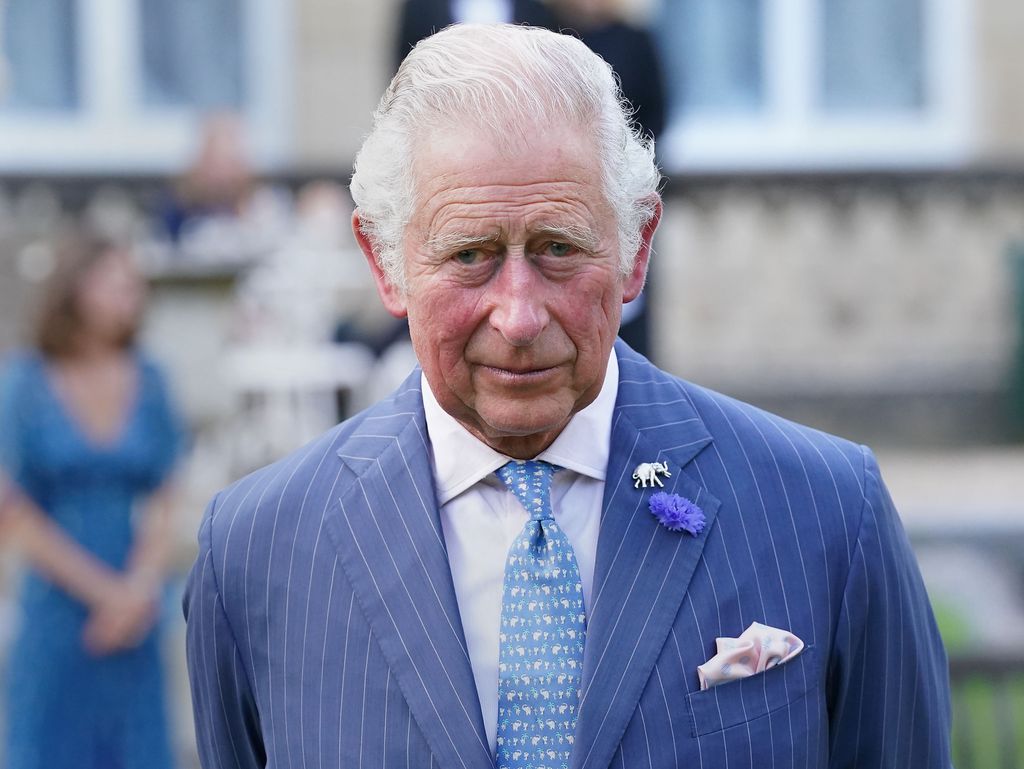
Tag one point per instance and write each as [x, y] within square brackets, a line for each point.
[634, 282]
[391, 295]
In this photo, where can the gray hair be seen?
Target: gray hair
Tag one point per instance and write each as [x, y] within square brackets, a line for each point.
[504, 77]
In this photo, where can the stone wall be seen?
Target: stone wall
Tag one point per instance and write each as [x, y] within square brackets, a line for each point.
[843, 285]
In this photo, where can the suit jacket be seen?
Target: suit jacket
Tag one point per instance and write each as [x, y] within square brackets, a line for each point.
[323, 627]
[418, 19]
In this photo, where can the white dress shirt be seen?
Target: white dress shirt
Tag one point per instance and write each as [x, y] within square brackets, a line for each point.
[481, 519]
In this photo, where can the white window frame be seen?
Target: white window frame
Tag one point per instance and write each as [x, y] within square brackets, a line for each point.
[791, 132]
[112, 130]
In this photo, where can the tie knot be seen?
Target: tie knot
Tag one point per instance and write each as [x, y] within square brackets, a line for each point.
[530, 481]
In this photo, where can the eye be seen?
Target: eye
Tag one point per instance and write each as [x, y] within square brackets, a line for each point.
[560, 249]
[468, 256]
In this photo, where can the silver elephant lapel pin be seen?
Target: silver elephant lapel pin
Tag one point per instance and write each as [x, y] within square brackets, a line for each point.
[647, 473]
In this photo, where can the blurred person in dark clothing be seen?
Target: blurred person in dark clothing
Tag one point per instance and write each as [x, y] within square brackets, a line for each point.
[88, 440]
[631, 52]
[629, 49]
[421, 18]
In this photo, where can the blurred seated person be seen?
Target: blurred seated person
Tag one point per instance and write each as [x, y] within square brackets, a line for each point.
[421, 18]
[88, 442]
[218, 182]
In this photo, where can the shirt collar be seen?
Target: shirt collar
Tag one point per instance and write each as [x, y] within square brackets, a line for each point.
[460, 459]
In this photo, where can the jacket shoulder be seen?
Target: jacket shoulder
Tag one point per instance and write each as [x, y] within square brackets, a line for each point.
[758, 441]
[755, 428]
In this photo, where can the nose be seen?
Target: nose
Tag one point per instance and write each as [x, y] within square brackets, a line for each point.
[518, 310]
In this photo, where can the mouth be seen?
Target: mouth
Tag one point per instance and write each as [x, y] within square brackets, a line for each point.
[519, 375]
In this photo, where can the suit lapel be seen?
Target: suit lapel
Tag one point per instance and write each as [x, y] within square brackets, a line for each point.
[388, 534]
[643, 569]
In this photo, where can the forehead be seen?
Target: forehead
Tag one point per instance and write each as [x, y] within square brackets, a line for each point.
[468, 179]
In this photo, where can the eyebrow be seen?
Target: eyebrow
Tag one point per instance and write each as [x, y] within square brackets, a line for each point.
[584, 237]
[446, 243]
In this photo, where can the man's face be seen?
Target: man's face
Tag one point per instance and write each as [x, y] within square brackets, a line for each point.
[513, 286]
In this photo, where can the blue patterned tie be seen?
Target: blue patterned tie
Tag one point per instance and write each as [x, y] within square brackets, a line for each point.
[543, 627]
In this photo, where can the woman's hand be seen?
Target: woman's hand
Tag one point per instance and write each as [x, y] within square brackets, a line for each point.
[124, 615]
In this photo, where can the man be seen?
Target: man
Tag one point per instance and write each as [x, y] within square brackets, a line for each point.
[469, 574]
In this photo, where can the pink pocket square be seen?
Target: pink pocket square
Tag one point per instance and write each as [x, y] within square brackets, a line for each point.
[758, 648]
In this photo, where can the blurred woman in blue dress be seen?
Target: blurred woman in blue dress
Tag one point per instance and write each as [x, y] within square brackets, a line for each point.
[88, 442]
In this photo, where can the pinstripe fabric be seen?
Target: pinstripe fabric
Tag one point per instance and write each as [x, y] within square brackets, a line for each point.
[323, 628]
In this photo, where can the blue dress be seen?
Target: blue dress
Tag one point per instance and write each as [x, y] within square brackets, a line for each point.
[65, 707]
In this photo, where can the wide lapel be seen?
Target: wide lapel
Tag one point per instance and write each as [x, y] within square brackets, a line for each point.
[388, 533]
[643, 569]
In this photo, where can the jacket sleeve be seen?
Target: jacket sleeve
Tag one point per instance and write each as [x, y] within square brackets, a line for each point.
[888, 681]
[226, 715]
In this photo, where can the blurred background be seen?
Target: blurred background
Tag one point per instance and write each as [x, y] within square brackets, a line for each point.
[843, 242]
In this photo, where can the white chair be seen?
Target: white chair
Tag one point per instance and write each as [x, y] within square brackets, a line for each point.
[287, 395]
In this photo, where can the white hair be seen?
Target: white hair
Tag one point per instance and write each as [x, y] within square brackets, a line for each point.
[506, 79]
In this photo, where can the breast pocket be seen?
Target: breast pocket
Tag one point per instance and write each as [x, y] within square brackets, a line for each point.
[736, 702]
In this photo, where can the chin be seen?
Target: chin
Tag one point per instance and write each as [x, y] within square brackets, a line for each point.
[523, 423]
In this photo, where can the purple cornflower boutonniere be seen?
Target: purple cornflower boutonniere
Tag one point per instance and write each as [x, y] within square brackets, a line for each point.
[677, 513]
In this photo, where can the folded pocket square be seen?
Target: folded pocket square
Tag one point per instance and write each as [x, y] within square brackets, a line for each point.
[758, 648]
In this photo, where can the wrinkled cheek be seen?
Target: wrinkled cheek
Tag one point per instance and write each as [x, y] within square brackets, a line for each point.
[594, 330]
[449, 355]
[451, 359]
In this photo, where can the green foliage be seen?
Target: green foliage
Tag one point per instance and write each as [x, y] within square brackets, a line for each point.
[955, 629]
[982, 711]
[986, 712]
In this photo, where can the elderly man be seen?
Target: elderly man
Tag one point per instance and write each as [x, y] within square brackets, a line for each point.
[542, 551]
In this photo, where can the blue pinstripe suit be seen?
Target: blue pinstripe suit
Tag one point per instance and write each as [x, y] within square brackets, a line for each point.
[323, 628]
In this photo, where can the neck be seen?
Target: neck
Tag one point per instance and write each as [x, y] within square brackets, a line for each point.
[518, 446]
[91, 350]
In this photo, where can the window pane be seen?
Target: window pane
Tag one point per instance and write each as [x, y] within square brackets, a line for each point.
[192, 53]
[873, 55]
[41, 49]
[713, 54]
